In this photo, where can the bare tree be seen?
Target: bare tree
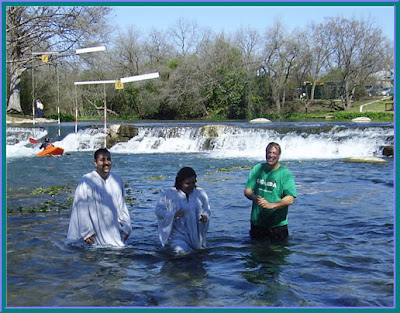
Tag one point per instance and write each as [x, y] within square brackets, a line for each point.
[280, 57]
[186, 36]
[358, 48]
[33, 28]
[248, 42]
[388, 54]
[129, 56]
[320, 50]
[156, 47]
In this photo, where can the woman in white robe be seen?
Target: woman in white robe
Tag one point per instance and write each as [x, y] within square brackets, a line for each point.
[99, 213]
[183, 214]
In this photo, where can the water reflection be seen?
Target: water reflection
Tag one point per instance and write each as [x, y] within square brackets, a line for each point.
[264, 267]
[264, 261]
[186, 268]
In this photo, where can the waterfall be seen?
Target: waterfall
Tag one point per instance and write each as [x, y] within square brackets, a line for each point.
[299, 141]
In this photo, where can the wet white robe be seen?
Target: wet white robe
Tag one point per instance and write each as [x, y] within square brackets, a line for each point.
[185, 233]
[99, 208]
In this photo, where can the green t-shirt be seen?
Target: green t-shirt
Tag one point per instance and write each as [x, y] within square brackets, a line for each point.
[273, 186]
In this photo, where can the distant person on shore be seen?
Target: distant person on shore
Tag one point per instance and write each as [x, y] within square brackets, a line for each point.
[272, 189]
[46, 144]
[183, 214]
[39, 108]
[99, 213]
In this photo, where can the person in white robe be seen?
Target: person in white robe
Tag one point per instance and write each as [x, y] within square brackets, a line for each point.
[183, 214]
[99, 213]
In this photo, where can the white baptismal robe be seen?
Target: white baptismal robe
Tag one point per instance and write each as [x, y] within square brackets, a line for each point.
[187, 232]
[99, 208]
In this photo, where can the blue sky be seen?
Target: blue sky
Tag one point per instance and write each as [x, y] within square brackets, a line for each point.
[230, 18]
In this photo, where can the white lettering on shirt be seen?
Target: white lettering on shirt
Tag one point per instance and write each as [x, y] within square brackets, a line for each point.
[264, 183]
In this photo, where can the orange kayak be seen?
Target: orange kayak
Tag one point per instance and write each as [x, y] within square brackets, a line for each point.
[51, 151]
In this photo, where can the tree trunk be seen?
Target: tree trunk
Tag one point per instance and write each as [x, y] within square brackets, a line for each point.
[347, 96]
[277, 101]
[312, 95]
[282, 105]
[14, 101]
[276, 97]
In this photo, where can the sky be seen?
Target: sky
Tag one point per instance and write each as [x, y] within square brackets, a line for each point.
[230, 18]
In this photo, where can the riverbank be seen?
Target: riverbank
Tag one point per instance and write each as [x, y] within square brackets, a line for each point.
[375, 109]
[11, 119]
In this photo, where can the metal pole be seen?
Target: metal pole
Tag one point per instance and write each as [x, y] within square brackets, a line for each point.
[59, 131]
[58, 85]
[105, 117]
[33, 94]
[58, 101]
[76, 111]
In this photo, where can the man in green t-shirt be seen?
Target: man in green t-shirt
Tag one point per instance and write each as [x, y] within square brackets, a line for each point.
[272, 189]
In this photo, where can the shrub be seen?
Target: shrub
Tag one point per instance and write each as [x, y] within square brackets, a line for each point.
[64, 117]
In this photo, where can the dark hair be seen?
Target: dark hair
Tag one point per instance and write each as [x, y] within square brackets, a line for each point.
[101, 151]
[274, 144]
[184, 173]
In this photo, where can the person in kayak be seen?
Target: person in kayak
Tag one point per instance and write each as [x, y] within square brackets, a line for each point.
[183, 214]
[271, 188]
[46, 144]
[99, 213]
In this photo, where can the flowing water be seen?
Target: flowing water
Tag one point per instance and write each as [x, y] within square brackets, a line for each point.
[341, 247]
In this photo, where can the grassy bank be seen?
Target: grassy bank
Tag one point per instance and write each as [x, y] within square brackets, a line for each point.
[378, 110]
[338, 116]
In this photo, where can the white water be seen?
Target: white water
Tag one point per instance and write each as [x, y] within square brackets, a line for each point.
[232, 142]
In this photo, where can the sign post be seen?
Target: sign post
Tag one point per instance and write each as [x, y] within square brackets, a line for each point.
[117, 83]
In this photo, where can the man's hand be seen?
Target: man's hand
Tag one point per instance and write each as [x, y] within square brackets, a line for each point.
[283, 203]
[265, 204]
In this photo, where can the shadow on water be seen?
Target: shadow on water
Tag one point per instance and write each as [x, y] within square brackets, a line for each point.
[263, 267]
[264, 261]
[184, 279]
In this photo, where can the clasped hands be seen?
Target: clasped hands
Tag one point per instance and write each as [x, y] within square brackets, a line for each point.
[264, 203]
[180, 213]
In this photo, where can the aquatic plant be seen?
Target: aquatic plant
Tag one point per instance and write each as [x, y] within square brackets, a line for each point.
[154, 178]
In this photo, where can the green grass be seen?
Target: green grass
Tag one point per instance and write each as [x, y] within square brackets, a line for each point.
[373, 108]
[379, 106]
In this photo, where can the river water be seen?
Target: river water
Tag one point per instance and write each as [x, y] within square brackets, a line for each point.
[341, 247]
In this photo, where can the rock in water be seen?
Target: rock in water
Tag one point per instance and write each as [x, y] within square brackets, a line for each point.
[362, 119]
[365, 160]
[260, 120]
